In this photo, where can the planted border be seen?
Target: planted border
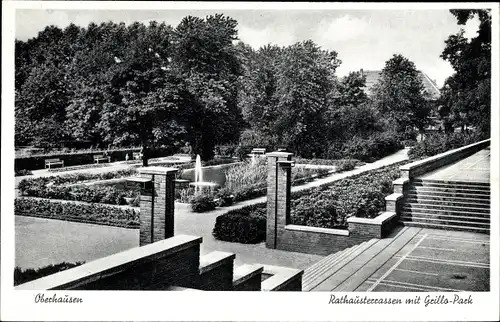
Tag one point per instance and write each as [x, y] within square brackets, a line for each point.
[77, 212]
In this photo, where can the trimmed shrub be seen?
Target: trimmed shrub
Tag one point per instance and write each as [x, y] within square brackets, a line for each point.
[346, 165]
[441, 142]
[24, 276]
[202, 203]
[246, 225]
[79, 212]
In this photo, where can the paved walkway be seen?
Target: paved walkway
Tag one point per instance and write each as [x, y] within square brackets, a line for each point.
[30, 242]
[435, 261]
[475, 168]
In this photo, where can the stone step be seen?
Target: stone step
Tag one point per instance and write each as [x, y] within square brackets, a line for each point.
[308, 272]
[429, 206]
[350, 280]
[327, 271]
[451, 182]
[445, 212]
[461, 202]
[445, 227]
[466, 186]
[325, 264]
[449, 193]
[443, 221]
[484, 218]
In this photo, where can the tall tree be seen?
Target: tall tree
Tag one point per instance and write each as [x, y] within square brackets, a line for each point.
[400, 95]
[206, 59]
[466, 98]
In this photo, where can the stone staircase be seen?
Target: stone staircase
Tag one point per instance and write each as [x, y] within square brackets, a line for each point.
[446, 204]
[346, 270]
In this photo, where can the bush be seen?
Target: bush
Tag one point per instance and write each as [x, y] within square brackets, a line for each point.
[242, 151]
[373, 148]
[23, 172]
[202, 203]
[441, 142]
[224, 197]
[79, 212]
[226, 151]
[246, 225]
[24, 276]
[346, 165]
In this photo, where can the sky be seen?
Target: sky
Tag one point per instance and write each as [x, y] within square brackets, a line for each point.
[363, 39]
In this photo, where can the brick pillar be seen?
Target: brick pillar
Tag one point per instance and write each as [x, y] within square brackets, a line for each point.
[278, 195]
[157, 205]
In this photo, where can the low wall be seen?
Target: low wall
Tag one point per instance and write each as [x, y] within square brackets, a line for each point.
[170, 262]
[324, 241]
[420, 167]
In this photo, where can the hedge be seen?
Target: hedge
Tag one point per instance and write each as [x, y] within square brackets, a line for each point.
[24, 276]
[440, 142]
[35, 162]
[202, 203]
[373, 148]
[79, 212]
[246, 225]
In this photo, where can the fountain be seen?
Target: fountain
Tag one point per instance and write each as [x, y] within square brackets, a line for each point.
[198, 183]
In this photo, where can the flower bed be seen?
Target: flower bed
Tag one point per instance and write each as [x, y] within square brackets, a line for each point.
[361, 195]
[20, 173]
[78, 167]
[335, 163]
[24, 276]
[79, 212]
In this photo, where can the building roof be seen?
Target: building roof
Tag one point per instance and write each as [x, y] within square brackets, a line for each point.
[430, 86]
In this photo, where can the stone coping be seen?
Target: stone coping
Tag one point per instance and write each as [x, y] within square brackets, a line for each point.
[330, 231]
[281, 276]
[245, 272]
[157, 170]
[379, 220]
[179, 288]
[394, 197]
[215, 259]
[113, 264]
[416, 164]
[400, 181]
[279, 154]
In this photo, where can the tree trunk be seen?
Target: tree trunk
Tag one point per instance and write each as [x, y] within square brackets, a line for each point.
[145, 155]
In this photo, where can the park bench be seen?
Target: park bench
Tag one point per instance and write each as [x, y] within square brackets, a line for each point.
[261, 151]
[50, 162]
[137, 155]
[100, 157]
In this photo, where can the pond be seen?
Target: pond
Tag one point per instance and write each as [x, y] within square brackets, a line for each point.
[215, 174]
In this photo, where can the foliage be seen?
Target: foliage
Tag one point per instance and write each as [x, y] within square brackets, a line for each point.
[335, 163]
[466, 95]
[246, 225]
[224, 197]
[400, 95]
[202, 203]
[23, 172]
[440, 142]
[79, 212]
[73, 178]
[22, 276]
[378, 145]
[361, 195]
